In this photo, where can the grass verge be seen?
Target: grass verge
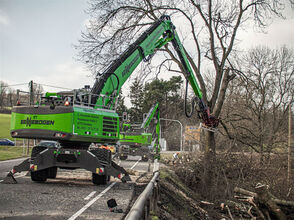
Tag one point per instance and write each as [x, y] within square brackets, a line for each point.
[7, 153]
[5, 126]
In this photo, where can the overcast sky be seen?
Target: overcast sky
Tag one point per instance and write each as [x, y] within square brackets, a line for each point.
[36, 42]
[37, 37]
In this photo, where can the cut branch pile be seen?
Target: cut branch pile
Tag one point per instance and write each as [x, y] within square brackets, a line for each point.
[261, 204]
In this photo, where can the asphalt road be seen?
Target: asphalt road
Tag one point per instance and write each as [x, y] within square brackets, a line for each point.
[70, 196]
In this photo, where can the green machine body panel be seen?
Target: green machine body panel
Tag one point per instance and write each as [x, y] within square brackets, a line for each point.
[65, 123]
[99, 125]
[55, 122]
[143, 139]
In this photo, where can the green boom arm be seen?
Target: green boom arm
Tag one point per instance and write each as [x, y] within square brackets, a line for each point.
[142, 137]
[153, 110]
[109, 83]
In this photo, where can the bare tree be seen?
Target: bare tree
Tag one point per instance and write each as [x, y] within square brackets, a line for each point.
[11, 97]
[212, 27]
[3, 91]
[259, 102]
[37, 90]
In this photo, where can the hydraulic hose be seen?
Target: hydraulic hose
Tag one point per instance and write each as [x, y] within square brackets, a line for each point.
[116, 89]
[186, 100]
[117, 81]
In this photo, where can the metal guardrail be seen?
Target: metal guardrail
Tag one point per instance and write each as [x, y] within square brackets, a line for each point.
[147, 201]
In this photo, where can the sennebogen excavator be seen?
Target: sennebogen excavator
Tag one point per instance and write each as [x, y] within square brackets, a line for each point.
[137, 139]
[88, 115]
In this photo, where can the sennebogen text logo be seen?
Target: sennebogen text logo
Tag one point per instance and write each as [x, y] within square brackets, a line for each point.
[28, 122]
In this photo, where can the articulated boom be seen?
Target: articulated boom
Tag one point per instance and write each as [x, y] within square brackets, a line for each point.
[154, 109]
[159, 34]
[136, 139]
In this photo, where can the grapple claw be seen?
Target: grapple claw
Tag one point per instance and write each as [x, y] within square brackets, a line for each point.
[209, 121]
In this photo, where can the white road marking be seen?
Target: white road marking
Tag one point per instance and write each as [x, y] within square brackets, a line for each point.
[135, 164]
[90, 195]
[78, 213]
[20, 175]
[6, 161]
[74, 216]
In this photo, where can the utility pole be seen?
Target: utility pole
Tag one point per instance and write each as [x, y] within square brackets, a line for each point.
[31, 85]
[289, 148]
[165, 119]
[17, 94]
[28, 148]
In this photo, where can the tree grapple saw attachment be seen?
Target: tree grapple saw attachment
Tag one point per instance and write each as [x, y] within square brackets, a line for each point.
[209, 122]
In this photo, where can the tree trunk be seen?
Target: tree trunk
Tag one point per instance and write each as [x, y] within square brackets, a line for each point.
[265, 199]
[209, 160]
[210, 147]
[261, 154]
[289, 149]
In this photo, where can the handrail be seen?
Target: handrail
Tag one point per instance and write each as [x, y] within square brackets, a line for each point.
[77, 98]
[137, 210]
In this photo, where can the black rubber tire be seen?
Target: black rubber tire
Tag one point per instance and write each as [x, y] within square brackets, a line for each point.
[123, 157]
[151, 157]
[145, 159]
[39, 176]
[102, 154]
[99, 179]
[52, 172]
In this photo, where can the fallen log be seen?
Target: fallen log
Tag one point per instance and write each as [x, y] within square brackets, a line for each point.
[264, 198]
[244, 191]
[253, 194]
[283, 202]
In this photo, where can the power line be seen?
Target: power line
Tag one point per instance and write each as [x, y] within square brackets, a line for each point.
[20, 84]
[57, 87]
